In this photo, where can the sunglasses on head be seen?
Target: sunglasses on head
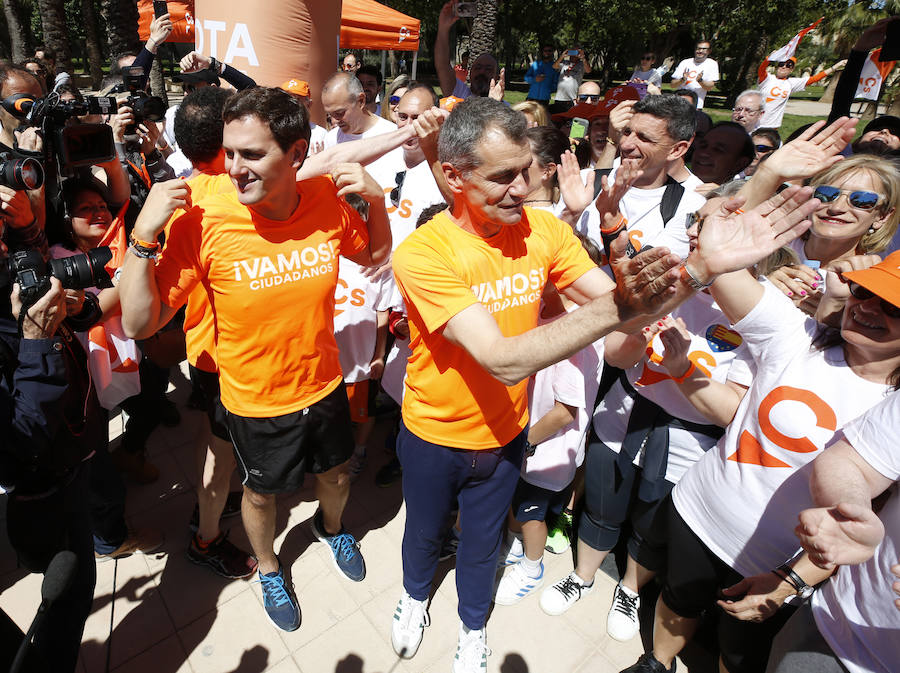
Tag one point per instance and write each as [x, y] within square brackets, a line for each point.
[764, 149]
[858, 198]
[862, 294]
[585, 97]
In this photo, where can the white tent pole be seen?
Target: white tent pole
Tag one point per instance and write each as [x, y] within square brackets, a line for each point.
[415, 61]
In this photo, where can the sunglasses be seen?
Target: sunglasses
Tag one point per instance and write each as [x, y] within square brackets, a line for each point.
[587, 97]
[764, 149]
[862, 294]
[393, 100]
[694, 218]
[858, 199]
[786, 64]
[395, 192]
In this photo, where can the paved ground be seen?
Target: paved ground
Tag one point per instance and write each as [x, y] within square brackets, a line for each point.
[171, 616]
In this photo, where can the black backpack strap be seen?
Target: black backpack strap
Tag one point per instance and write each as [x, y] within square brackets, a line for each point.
[670, 199]
[598, 183]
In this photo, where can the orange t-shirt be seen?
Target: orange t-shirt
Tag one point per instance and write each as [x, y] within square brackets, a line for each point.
[271, 287]
[441, 269]
[199, 324]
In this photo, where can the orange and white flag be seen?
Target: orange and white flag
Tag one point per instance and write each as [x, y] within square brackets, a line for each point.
[788, 50]
[872, 75]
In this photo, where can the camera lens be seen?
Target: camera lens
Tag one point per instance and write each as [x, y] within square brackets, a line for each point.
[22, 174]
[80, 271]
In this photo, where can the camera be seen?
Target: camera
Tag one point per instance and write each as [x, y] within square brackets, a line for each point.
[28, 269]
[143, 106]
[19, 173]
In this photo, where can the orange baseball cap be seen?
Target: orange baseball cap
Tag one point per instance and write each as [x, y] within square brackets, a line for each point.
[296, 86]
[883, 278]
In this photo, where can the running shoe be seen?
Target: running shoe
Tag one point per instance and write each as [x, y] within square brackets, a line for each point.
[344, 549]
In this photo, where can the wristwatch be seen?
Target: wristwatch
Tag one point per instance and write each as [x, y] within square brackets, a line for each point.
[802, 588]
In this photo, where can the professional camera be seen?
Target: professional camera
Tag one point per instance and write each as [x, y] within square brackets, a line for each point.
[28, 269]
[143, 106]
[73, 145]
[19, 173]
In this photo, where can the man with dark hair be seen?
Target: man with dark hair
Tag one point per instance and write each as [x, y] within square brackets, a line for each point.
[543, 75]
[699, 74]
[881, 136]
[267, 250]
[350, 63]
[689, 95]
[654, 140]
[483, 72]
[371, 79]
[722, 153]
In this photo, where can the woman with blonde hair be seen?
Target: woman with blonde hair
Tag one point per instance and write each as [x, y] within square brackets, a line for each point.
[394, 94]
[534, 112]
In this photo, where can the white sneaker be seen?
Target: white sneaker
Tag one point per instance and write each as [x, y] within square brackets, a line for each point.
[516, 584]
[622, 622]
[564, 594]
[471, 651]
[410, 619]
[510, 553]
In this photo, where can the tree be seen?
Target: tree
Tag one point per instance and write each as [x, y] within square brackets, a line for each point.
[92, 42]
[121, 18]
[19, 36]
[56, 37]
[484, 28]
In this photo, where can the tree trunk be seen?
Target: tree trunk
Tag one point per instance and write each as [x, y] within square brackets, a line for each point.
[828, 96]
[157, 81]
[121, 19]
[92, 42]
[484, 29]
[53, 21]
[19, 35]
[392, 59]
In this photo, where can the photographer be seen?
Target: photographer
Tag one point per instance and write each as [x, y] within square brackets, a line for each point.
[52, 422]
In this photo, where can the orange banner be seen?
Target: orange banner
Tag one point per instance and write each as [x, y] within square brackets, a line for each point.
[181, 13]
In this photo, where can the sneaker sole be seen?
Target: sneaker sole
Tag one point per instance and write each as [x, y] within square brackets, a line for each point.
[321, 538]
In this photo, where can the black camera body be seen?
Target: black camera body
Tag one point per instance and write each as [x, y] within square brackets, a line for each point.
[28, 269]
[143, 106]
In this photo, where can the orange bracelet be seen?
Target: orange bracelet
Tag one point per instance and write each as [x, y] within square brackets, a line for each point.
[144, 244]
[690, 370]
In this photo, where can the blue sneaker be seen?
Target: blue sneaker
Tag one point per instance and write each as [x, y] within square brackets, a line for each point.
[344, 548]
[279, 600]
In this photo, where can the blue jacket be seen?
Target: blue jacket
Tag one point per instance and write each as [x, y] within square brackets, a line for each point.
[543, 89]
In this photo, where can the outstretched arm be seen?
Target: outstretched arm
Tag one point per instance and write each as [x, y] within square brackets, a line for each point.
[357, 153]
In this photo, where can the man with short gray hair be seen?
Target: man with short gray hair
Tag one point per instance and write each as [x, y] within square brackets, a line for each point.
[748, 109]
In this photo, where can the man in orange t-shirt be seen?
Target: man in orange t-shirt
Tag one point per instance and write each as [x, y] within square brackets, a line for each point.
[472, 279]
[266, 255]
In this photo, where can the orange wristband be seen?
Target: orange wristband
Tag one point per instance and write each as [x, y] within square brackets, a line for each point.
[690, 370]
[144, 244]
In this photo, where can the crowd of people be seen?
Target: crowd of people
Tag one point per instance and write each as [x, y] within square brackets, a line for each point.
[671, 338]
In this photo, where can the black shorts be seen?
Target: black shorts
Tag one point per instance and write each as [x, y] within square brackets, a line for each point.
[206, 386]
[533, 503]
[274, 454]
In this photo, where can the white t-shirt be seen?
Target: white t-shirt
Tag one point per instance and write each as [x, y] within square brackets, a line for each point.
[651, 76]
[716, 349]
[855, 611]
[688, 70]
[570, 77]
[775, 97]
[317, 135]
[742, 499]
[356, 300]
[418, 191]
[336, 135]
[645, 225]
[574, 382]
[169, 127]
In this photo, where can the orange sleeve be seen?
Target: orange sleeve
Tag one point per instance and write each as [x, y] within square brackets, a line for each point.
[815, 78]
[178, 268]
[763, 71]
[571, 261]
[428, 283]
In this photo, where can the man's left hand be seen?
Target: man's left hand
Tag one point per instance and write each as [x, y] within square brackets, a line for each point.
[762, 596]
[845, 534]
[353, 179]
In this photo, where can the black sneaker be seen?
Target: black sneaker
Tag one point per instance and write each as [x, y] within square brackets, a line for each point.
[232, 508]
[389, 473]
[279, 600]
[648, 664]
[222, 557]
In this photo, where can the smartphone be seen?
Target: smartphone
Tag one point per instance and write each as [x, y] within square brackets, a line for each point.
[573, 52]
[160, 8]
[466, 10]
[579, 127]
[640, 86]
[890, 50]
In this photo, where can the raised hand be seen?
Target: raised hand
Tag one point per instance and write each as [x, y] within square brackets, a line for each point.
[812, 151]
[576, 193]
[162, 202]
[498, 86]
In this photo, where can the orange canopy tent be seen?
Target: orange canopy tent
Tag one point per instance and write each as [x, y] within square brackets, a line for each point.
[366, 24]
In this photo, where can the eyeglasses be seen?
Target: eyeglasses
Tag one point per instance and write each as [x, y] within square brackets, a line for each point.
[858, 198]
[588, 97]
[764, 149]
[393, 100]
[748, 110]
[395, 192]
[786, 64]
[862, 294]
